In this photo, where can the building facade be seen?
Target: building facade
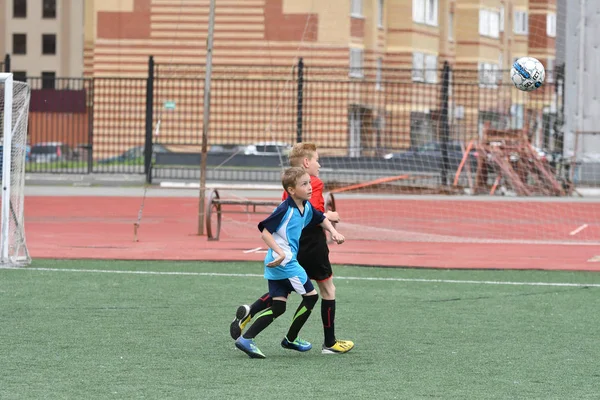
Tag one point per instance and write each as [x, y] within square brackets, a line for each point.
[43, 37]
[385, 56]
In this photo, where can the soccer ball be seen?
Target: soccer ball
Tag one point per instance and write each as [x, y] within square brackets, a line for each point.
[527, 73]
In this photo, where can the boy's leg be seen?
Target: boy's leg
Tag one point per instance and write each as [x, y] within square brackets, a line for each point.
[246, 342]
[313, 255]
[245, 313]
[278, 291]
[266, 318]
[302, 313]
[327, 290]
[331, 345]
[309, 299]
[262, 303]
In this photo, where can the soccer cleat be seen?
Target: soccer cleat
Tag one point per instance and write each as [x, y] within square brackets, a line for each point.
[248, 347]
[298, 344]
[242, 317]
[339, 347]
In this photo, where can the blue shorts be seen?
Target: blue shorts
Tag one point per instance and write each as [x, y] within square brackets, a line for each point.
[283, 287]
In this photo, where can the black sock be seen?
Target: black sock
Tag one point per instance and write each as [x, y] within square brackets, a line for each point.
[328, 317]
[265, 319]
[301, 316]
[262, 303]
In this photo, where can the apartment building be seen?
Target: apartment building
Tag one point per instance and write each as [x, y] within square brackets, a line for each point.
[44, 38]
[377, 40]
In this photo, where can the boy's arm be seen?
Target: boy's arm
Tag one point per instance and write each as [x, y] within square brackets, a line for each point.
[318, 218]
[335, 235]
[333, 216]
[270, 225]
[270, 241]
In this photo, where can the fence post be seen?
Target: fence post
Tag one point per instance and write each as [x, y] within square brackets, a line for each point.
[7, 63]
[149, 118]
[444, 128]
[90, 111]
[300, 100]
[559, 135]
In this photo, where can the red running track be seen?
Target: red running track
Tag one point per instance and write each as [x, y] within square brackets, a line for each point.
[402, 233]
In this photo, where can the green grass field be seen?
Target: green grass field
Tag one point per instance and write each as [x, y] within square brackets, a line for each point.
[111, 330]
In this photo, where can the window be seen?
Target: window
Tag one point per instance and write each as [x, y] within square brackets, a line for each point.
[431, 10]
[19, 43]
[20, 76]
[516, 116]
[379, 74]
[425, 12]
[419, 11]
[48, 79]
[421, 129]
[489, 23]
[521, 23]
[49, 44]
[418, 74]
[424, 68]
[488, 74]
[356, 8]
[551, 24]
[49, 9]
[431, 70]
[380, 13]
[355, 123]
[550, 70]
[356, 63]
[502, 19]
[451, 26]
[19, 8]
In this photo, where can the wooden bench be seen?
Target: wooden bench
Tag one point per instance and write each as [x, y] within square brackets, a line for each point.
[216, 203]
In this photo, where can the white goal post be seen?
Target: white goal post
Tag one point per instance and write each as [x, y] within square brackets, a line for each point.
[14, 112]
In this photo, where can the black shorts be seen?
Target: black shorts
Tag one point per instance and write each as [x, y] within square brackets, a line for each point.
[283, 287]
[313, 254]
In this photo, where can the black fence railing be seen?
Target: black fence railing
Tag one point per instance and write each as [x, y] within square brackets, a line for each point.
[5, 64]
[359, 118]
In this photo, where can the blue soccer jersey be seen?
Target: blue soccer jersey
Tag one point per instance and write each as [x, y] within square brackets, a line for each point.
[286, 224]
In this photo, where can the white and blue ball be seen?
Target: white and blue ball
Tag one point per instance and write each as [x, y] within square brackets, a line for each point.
[528, 74]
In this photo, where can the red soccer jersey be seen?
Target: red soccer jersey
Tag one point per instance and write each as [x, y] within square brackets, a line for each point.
[316, 200]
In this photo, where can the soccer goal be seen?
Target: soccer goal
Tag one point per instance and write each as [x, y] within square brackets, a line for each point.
[14, 110]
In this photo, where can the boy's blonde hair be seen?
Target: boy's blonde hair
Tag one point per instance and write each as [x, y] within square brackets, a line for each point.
[291, 176]
[300, 151]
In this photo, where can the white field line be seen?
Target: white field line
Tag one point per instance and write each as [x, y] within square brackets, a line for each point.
[576, 231]
[355, 278]
[252, 250]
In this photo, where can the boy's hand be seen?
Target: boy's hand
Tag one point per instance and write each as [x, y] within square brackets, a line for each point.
[333, 216]
[338, 238]
[276, 261]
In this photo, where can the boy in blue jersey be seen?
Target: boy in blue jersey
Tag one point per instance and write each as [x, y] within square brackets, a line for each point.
[281, 232]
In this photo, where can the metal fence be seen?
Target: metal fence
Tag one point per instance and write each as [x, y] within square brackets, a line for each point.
[356, 117]
[5, 64]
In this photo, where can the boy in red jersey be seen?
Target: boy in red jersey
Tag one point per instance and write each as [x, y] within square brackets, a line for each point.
[313, 256]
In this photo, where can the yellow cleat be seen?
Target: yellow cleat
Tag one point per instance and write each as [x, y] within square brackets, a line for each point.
[340, 347]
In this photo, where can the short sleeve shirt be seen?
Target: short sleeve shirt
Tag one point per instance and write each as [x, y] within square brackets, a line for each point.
[286, 224]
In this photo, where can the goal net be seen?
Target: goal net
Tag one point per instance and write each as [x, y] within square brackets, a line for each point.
[422, 135]
[14, 110]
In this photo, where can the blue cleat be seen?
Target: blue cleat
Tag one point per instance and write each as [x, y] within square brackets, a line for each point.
[298, 344]
[248, 347]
